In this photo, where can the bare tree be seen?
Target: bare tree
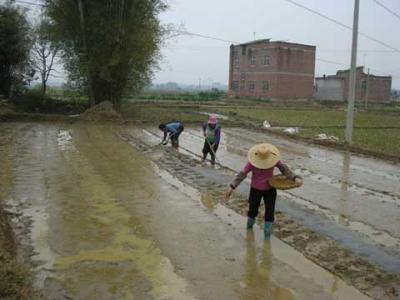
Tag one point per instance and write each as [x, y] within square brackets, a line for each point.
[44, 53]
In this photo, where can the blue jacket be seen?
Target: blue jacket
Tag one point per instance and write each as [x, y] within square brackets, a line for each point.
[173, 128]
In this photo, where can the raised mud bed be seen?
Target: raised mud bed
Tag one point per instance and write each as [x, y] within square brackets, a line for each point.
[326, 143]
[324, 251]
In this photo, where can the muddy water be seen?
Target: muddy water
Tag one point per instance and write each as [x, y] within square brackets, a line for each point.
[359, 194]
[105, 222]
[356, 188]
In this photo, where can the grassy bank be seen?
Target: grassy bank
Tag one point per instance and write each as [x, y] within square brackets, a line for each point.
[157, 114]
[375, 130]
[15, 278]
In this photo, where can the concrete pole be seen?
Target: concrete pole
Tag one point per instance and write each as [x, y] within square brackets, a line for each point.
[367, 91]
[353, 74]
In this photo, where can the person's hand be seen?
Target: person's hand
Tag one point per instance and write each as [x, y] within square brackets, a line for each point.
[228, 194]
[298, 181]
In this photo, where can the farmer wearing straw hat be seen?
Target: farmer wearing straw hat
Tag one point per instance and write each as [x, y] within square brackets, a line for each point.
[263, 158]
[212, 135]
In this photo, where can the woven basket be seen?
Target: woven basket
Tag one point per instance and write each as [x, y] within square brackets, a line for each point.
[280, 182]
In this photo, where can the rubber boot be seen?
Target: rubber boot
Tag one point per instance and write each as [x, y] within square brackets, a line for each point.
[250, 222]
[267, 230]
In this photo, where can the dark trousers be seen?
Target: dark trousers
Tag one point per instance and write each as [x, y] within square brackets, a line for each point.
[207, 149]
[175, 137]
[269, 197]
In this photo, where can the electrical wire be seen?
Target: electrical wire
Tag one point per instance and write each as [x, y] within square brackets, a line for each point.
[229, 41]
[343, 25]
[184, 32]
[331, 62]
[387, 9]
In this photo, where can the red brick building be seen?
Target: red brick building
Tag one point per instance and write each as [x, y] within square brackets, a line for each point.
[266, 69]
[368, 87]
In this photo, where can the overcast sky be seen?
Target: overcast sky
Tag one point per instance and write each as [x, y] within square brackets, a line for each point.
[189, 59]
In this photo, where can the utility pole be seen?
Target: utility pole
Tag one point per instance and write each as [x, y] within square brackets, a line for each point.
[353, 74]
[367, 91]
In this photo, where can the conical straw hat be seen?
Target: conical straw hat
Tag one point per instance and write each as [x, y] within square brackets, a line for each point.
[264, 156]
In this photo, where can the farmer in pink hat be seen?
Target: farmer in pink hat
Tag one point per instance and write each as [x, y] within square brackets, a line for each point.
[212, 135]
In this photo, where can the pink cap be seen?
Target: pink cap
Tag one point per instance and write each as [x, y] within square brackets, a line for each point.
[212, 119]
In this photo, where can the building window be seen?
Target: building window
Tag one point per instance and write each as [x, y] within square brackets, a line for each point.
[243, 50]
[266, 60]
[265, 85]
[364, 85]
[236, 59]
[235, 85]
[243, 76]
[242, 84]
[253, 59]
[252, 85]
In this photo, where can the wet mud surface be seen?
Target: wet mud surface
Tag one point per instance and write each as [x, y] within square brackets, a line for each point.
[363, 255]
[101, 212]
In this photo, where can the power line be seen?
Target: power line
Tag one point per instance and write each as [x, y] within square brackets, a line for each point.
[385, 73]
[343, 25]
[229, 41]
[361, 50]
[320, 14]
[331, 62]
[347, 65]
[224, 40]
[387, 9]
[205, 36]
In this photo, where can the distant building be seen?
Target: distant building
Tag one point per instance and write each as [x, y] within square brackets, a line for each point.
[329, 88]
[276, 69]
[369, 87]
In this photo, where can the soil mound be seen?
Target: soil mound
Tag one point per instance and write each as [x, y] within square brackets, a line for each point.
[101, 112]
[6, 110]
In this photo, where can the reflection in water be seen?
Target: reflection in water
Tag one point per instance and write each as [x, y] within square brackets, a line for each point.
[209, 201]
[257, 281]
[335, 285]
[344, 189]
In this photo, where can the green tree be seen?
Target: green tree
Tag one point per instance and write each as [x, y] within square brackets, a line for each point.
[110, 45]
[14, 49]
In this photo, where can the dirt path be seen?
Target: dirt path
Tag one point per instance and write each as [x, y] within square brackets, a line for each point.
[100, 219]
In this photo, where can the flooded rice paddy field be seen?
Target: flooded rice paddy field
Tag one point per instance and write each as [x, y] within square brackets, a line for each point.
[102, 212]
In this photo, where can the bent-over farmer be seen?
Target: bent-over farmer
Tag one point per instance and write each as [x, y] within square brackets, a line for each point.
[212, 135]
[171, 131]
[263, 158]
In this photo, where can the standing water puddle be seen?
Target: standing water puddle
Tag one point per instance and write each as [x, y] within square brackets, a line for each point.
[107, 223]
